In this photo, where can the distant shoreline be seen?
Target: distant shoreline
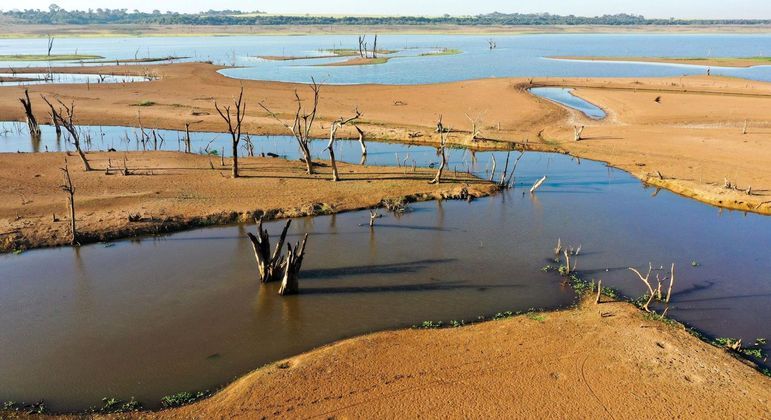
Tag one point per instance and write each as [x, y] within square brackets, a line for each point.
[14, 30]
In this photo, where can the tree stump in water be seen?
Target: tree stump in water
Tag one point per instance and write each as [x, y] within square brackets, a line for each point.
[269, 266]
[293, 263]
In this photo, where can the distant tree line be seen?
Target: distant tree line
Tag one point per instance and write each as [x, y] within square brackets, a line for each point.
[57, 15]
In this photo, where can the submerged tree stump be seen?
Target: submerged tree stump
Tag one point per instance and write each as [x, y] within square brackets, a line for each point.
[269, 266]
[32, 124]
[293, 263]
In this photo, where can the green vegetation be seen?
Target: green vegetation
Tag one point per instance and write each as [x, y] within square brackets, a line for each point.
[443, 51]
[350, 52]
[145, 103]
[57, 15]
[52, 57]
[114, 405]
[183, 398]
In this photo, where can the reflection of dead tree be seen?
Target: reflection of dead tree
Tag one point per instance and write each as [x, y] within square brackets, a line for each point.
[443, 158]
[361, 140]
[69, 188]
[537, 184]
[234, 126]
[65, 117]
[34, 127]
[293, 263]
[303, 122]
[269, 266]
[332, 136]
[577, 132]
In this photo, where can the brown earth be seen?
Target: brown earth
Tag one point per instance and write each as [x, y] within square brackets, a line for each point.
[716, 62]
[597, 361]
[171, 191]
[692, 135]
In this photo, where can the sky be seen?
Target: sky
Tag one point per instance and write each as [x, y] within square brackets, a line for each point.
[706, 9]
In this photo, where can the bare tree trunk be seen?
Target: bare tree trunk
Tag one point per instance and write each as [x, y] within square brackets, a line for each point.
[443, 159]
[374, 48]
[492, 171]
[537, 184]
[50, 44]
[294, 259]
[269, 266]
[361, 140]
[332, 136]
[187, 138]
[34, 127]
[65, 116]
[69, 188]
[234, 126]
[577, 132]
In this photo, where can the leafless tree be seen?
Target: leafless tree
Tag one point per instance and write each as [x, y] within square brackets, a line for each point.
[476, 123]
[303, 123]
[442, 158]
[234, 124]
[50, 44]
[332, 136]
[294, 261]
[506, 180]
[34, 127]
[372, 216]
[361, 141]
[69, 188]
[361, 45]
[577, 132]
[374, 47]
[65, 117]
[269, 266]
[187, 138]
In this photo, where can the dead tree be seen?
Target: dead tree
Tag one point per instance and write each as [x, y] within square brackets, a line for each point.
[651, 293]
[442, 158]
[537, 184]
[293, 263]
[55, 122]
[492, 171]
[34, 127]
[50, 44]
[361, 45]
[475, 126]
[65, 116]
[69, 188]
[599, 292]
[372, 216]
[744, 130]
[577, 132]
[303, 122]
[374, 47]
[187, 138]
[332, 136]
[234, 124]
[269, 266]
[361, 140]
[506, 181]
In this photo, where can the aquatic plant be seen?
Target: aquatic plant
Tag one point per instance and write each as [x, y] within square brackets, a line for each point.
[183, 398]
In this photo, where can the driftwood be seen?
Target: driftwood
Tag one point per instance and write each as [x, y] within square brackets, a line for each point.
[303, 123]
[651, 292]
[234, 125]
[34, 127]
[269, 266]
[744, 130]
[537, 184]
[293, 263]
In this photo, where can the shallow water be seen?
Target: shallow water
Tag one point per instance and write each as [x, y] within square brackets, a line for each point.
[65, 78]
[155, 316]
[565, 97]
[516, 55]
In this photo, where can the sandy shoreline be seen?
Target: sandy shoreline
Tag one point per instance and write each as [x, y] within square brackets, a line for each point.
[714, 62]
[172, 191]
[697, 116]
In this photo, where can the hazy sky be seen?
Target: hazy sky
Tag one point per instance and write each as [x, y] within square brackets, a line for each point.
[758, 9]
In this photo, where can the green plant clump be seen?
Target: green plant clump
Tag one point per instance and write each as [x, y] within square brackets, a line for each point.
[183, 398]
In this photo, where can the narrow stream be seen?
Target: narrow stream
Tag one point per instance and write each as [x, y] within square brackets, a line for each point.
[565, 97]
